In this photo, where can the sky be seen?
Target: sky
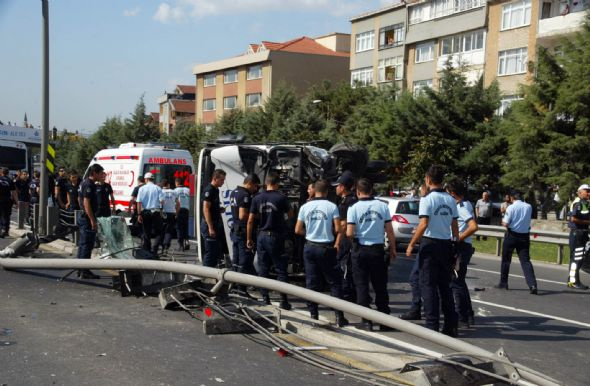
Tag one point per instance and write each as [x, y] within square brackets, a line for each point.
[105, 55]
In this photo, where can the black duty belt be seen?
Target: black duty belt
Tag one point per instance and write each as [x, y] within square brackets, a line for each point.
[518, 234]
[269, 233]
[374, 246]
[321, 245]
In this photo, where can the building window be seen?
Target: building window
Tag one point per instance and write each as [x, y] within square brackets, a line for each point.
[209, 80]
[254, 72]
[391, 36]
[362, 77]
[230, 102]
[391, 69]
[365, 41]
[440, 8]
[516, 14]
[230, 76]
[420, 85]
[505, 103]
[512, 61]
[208, 104]
[473, 41]
[253, 100]
[425, 52]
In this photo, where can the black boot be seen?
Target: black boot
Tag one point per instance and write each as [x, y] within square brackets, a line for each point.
[87, 274]
[411, 315]
[366, 325]
[285, 305]
[341, 321]
[266, 299]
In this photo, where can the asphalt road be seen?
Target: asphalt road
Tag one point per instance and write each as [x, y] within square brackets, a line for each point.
[83, 333]
[530, 333]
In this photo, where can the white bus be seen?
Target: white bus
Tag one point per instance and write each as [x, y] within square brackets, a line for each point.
[14, 155]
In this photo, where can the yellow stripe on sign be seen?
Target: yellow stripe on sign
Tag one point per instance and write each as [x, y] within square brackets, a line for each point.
[49, 165]
[50, 151]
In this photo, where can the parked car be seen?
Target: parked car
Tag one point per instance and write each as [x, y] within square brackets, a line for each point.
[404, 217]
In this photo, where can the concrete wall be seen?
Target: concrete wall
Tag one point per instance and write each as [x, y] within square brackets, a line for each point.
[448, 25]
[304, 70]
[338, 42]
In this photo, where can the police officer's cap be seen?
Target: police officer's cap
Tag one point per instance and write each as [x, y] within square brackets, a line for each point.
[346, 179]
[584, 187]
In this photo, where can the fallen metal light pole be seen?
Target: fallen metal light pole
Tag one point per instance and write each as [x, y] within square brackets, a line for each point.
[520, 375]
[26, 241]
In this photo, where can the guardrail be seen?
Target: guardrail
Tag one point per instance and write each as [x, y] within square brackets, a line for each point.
[561, 239]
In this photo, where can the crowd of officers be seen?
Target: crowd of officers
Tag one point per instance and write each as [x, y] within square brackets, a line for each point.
[345, 243]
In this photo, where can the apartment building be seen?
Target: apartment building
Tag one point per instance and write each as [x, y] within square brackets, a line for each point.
[378, 47]
[245, 81]
[492, 38]
[176, 107]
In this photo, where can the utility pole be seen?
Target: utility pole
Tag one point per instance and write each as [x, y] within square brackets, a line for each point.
[45, 122]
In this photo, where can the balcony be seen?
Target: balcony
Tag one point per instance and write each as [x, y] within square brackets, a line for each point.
[468, 59]
[561, 19]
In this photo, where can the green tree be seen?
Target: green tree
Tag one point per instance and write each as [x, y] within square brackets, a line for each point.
[138, 128]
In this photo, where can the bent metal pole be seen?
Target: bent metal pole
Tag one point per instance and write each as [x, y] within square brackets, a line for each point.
[234, 277]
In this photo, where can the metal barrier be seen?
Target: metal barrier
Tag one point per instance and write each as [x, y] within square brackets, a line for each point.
[560, 239]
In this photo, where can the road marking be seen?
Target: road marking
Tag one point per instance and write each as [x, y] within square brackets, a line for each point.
[513, 275]
[587, 325]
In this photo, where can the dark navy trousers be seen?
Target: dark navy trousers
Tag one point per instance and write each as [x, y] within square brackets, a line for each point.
[212, 250]
[435, 278]
[368, 266]
[243, 258]
[521, 242]
[269, 246]
[87, 237]
[414, 280]
[345, 262]
[459, 286]
[321, 265]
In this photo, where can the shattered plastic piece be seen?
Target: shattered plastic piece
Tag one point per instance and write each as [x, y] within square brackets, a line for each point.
[208, 312]
[118, 242]
[219, 380]
[104, 354]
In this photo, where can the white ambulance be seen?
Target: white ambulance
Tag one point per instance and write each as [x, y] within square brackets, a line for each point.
[130, 160]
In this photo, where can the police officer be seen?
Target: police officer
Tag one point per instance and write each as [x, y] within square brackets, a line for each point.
[73, 188]
[182, 211]
[344, 186]
[86, 219]
[61, 192]
[211, 226]
[319, 221]
[464, 250]
[169, 206]
[34, 187]
[8, 199]
[135, 225]
[240, 200]
[367, 220]
[437, 227]
[149, 205]
[106, 198]
[517, 221]
[578, 224]
[271, 208]
[415, 311]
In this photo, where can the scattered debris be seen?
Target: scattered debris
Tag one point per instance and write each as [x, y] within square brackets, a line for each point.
[219, 380]
[104, 354]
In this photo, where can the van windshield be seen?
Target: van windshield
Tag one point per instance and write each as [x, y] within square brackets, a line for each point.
[169, 172]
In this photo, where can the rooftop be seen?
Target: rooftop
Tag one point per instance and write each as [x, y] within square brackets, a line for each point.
[186, 89]
[376, 12]
[182, 106]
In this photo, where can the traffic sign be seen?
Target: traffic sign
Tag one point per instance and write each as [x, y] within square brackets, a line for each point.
[50, 161]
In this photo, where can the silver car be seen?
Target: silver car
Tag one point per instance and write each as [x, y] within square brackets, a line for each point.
[404, 217]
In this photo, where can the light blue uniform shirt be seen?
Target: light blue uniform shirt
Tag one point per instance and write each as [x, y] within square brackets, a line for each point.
[518, 217]
[369, 217]
[465, 211]
[318, 215]
[150, 196]
[184, 196]
[441, 209]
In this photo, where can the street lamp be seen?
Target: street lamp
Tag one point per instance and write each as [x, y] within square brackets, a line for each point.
[318, 101]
